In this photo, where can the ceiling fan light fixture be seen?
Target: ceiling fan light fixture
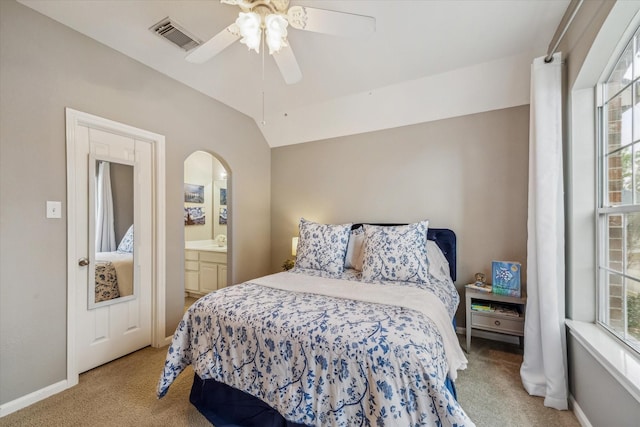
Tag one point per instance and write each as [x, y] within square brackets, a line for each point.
[275, 32]
[250, 25]
[271, 19]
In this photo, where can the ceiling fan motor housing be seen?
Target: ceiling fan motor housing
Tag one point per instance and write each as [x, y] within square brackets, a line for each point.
[262, 7]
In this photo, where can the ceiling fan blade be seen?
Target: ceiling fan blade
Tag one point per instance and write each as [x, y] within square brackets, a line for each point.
[330, 21]
[288, 65]
[215, 45]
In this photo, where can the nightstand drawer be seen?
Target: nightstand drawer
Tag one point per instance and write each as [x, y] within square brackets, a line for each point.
[514, 326]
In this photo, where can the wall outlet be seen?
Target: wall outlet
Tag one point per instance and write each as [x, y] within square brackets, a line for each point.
[54, 209]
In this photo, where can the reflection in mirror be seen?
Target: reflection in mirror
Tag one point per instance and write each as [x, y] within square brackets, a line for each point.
[113, 213]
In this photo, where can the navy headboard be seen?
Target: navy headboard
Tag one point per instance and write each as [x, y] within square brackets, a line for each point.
[444, 238]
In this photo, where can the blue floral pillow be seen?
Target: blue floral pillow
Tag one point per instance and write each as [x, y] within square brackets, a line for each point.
[397, 253]
[126, 244]
[322, 246]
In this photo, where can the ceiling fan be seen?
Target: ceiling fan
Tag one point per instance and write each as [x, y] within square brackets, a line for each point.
[266, 21]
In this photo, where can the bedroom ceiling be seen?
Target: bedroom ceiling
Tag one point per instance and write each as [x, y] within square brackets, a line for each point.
[427, 60]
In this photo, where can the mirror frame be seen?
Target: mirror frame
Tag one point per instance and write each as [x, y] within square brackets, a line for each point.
[91, 304]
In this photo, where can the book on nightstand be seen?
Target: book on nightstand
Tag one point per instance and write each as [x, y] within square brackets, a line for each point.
[484, 288]
[482, 306]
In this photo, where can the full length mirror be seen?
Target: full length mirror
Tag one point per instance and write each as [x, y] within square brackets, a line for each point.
[111, 231]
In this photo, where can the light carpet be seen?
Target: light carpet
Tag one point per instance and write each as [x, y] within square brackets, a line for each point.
[122, 393]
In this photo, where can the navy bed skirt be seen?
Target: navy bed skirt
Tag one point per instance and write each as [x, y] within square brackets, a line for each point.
[226, 406]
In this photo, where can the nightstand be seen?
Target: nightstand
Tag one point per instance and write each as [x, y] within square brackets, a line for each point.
[494, 321]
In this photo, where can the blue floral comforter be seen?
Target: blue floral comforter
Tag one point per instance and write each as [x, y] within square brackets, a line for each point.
[322, 359]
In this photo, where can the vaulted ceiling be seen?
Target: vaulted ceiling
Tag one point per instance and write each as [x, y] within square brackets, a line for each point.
[426, 60]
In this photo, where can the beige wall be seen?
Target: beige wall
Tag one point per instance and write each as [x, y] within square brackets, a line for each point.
[468, 174]
[198, 170]
[46, 67]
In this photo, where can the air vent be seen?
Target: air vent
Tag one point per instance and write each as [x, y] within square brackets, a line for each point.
[169, 30]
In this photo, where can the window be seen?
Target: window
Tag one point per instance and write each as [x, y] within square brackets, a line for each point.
[619, 198]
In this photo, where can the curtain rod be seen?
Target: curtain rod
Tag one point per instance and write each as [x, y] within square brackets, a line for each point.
[565, 23]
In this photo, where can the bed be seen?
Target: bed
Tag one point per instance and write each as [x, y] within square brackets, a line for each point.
[114, 270]
[359, 332]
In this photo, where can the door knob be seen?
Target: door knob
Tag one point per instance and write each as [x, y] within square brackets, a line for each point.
[83, 261]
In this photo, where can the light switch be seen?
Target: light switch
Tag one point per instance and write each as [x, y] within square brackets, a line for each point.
[54, 209]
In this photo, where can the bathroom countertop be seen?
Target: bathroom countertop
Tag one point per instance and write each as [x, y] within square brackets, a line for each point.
[204, 245]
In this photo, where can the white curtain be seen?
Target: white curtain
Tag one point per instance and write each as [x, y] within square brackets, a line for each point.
[105, 232]
[543, 369]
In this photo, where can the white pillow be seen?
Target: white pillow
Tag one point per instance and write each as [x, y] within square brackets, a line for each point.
[126, 244]
[397, 253]
[322, 246]
[355, 250]
[438, 264]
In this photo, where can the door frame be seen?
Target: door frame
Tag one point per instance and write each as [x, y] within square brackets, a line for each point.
[158, 286]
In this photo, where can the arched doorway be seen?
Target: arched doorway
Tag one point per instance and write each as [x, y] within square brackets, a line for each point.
[205, 225]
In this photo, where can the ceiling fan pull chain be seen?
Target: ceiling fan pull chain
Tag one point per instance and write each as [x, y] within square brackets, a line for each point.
[263, 120]
[262, 39]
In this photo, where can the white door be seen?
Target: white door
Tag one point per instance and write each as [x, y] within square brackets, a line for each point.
[106, 331]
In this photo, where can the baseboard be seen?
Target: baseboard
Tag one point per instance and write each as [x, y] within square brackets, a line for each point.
[582, 418]
[167, 340]
[31, 398]
[489, 335]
